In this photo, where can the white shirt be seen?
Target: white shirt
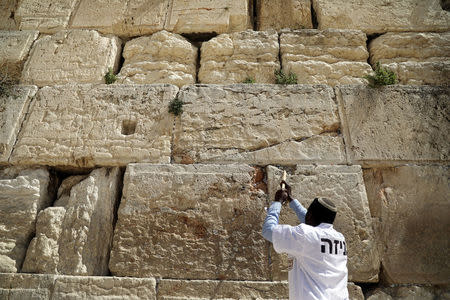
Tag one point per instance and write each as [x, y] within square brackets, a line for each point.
[319, 271]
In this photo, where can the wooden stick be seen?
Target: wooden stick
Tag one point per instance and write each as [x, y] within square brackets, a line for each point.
[284, 179]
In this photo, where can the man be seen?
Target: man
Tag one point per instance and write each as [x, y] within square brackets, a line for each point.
[319, 252]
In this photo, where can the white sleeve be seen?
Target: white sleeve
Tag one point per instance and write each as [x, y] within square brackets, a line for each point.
[286, 239]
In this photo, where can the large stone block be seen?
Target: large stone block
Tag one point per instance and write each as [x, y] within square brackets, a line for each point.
[412, 206]
[417, 58]
[279, 14]
[13, 108]
[14, 48]
[190, 222]
[43, 287]
[75, 56]
[395, 124]
[47, 16]
[258, 124]
[137, 18]
[7, 11]
[97, 125]
[344, 185]
[23, 193]
[410, 292]
[161, 58]
[76, 239]
[379, 16]
[232, 58]
[330, 56]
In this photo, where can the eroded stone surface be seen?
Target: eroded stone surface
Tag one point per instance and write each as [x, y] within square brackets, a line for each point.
[190, 222]
[38, 286]
[23, 193]
[407, 292]
[7, 10]
[161, 58]
[329, 56]
[411, 203]
[416, 58]
[381, 16]
[73, 56]
[103, 125]
[47, 16]
[396, 123]
[279, 14]
[76, 239]
[13, 108]
[14, 48]
[354, 292]
[344, 185]
[257, 124]
[233, 58]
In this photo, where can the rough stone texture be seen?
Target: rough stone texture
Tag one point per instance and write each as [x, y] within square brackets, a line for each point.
[232, 58]
[258, 124]
[37, 286]
[7, 10]
[396, 124]
[102, 126]
[354, 292]
[12, 113]
[279, 14]
[344, 185]
[161, 58]
[329, 56]
[47, 16]
[23, 193]
[379, 16]
[76, 239]
[411, 203]
[14, 48]
[406, 293]
[190, 222]
[416, 58]
[137, 18]
[74, 56]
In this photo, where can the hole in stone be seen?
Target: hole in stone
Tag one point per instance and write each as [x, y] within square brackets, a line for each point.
[445, 4]
[314, 20]
[128, 127]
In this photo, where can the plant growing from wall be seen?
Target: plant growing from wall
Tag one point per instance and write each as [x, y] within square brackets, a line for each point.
[282, 78]
[382, 77]
[176, 107]
[110, 77]
[249, 80]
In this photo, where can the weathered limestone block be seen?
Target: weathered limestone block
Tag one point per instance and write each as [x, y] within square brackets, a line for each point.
[411, 292]
[39, 286]
[279, 14]
[344, 185]
[232, 58]
[75, 56]
[416, 58]
[397, 123]
[203, 16]
[329, 56]
[161, 58]
[137, 18]
[23, 193]
[190, 222]
[7, 10]
[379, 16]
[14, 48]
[354, 292]
[47, 16]
[76, 239]
[258, 124]
[103, 125]
[411, 203]
[13, 108]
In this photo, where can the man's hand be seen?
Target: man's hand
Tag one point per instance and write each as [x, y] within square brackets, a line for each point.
[283, 195]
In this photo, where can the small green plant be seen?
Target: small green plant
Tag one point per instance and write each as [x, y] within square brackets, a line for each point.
[382, 77]
[249, 80]
[176, 107]
[282, 78]
[110, 77]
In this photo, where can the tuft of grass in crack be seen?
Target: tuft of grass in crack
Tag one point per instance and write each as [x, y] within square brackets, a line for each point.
[176, 107]
[283, 78]
[249, 80]
[382, 77]
[110, 77]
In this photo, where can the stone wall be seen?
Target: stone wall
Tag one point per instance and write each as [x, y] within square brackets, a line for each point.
[106, 194]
